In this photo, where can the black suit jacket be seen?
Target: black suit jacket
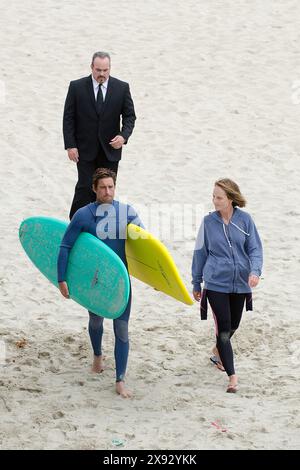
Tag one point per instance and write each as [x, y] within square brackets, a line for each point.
[84, 128]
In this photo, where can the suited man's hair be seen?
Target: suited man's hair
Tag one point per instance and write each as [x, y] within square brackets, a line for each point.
[102, 173]
[101, 55]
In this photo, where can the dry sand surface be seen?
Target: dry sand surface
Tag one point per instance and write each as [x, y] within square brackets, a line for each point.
[216, 87]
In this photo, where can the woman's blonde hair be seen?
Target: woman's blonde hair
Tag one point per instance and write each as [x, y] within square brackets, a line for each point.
[232, 191]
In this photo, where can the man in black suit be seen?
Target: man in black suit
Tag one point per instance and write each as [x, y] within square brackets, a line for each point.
[93, 133]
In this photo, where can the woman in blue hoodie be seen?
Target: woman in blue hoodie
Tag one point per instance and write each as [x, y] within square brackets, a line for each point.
[228, 260]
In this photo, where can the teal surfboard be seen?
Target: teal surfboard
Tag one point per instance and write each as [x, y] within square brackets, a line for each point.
[96, 276]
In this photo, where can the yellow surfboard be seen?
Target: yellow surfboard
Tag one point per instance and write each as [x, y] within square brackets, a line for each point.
[149, 261]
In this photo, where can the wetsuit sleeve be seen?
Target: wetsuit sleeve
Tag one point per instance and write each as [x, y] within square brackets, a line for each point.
[72, 233]
[254, 249]
[199, 258]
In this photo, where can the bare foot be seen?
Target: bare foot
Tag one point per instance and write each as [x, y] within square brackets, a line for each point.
[98, 365]
[232, 386]
[121, 390]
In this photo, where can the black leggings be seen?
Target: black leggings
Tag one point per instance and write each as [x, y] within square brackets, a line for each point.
[227, 310]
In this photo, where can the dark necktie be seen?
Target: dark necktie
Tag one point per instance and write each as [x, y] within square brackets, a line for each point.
[99, 99]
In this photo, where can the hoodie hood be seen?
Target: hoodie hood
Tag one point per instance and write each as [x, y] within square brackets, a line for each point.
[237, 220]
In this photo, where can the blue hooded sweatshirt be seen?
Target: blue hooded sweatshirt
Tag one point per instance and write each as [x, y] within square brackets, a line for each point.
[225, 255]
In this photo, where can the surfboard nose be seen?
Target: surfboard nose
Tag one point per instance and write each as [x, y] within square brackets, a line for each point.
[22, 230]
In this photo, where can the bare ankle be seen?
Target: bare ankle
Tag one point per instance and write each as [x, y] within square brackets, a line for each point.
[98, 364]
[122, 390]
[233, 379]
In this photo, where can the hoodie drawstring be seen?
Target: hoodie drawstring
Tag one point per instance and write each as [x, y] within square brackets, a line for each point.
[226, 236]
[241, 230]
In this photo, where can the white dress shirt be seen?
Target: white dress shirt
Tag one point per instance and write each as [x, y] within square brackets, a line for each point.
[103, 88]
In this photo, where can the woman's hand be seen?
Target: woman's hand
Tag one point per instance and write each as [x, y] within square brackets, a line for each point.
[197, 295]
[253, 280]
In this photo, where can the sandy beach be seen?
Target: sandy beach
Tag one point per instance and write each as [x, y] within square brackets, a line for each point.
[216, 87]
